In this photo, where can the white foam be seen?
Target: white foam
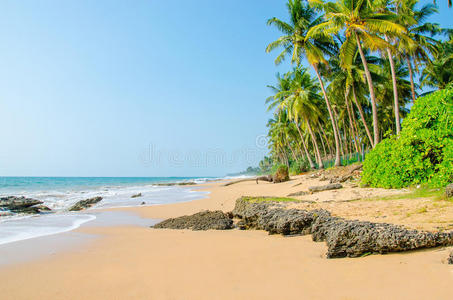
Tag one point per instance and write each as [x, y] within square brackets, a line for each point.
[19, 229]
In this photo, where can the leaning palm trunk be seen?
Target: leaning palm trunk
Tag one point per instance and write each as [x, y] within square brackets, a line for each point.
[411, 77]
[329, 109]
[351, 125]
[322, 143]
[372, 95]
[356, 128]
[315, 144]
[362, 116]
[338, 130]
[395, 89]
[310, 161]
[327, 140]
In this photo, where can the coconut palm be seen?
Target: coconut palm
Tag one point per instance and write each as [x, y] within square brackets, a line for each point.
[295, 43]
[361, 24]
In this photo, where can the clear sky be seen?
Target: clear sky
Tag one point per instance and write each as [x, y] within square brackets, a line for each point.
[136, 88]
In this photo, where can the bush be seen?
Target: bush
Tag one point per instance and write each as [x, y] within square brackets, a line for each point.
[422, 153]
[281, 174]
[299, 166]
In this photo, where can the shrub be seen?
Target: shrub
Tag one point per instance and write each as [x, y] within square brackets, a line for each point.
[299, 166]
[422, 153]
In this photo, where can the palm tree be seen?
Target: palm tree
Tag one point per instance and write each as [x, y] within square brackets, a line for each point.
[439, 73]
[284, 85]
[302, 102]
[295, 42]
[418, 45]
[362, 24]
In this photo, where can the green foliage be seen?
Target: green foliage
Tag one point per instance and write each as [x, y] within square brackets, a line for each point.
[299, 166]
[422, 153]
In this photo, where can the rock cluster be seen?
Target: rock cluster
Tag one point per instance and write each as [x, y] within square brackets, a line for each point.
[343, 237]
[204, 220]
[84, 204]
[22, 205]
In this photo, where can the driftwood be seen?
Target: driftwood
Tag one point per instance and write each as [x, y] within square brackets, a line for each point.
[334, 186]
[238, 181]
[268, 178]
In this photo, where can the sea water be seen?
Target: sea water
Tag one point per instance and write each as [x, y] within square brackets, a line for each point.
[60, 193]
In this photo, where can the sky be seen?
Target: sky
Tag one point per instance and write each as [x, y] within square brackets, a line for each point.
[136, 88]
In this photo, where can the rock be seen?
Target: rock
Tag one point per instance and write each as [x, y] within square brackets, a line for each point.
[355, 238]
[143, 203]
[19, 204]
[176, 183]
[296, 194]
[83, 204]
[136, 195]
[204, 220]
[327, 187]
[343, 237]
[449, 190]
[450, 258]
[281, 175]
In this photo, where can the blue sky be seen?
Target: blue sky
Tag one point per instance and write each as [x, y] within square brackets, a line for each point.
[136, 88]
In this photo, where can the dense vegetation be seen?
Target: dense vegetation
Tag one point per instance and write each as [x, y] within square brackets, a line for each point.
[357, 66]
[422, 153]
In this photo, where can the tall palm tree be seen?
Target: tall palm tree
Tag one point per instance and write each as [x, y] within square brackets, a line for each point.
[418, 45]
[275, 102]
[361, 24]
[295, 42]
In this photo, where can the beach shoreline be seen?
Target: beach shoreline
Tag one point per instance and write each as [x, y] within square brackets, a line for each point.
[137, 262]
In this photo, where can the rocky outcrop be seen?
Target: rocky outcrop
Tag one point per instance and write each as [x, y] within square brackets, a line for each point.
[449, 190]
[343, 237]
[136, 195]
[204, 220]
[22, 205]
[84, 204]
[176, 183]
[320, 188]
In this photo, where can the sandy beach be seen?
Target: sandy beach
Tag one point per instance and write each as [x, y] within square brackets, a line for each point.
[137, 262]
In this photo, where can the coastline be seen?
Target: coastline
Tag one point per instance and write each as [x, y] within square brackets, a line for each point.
[130, 261]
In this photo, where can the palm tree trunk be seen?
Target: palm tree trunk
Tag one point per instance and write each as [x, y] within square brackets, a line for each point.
[338, 130]
[327, 140]
[411, 77]
[315, 144]
[372, 95]
[322, 143]
[395, 89]
[292, 151]
[356, 128]
[362, 116]
[329, 109]
[310, 161]
[351, 125]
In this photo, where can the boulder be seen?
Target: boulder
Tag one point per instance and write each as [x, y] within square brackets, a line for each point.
[19, 204]
[333, 186]
[84, 204]
[204, 220]
[449, 190]
[136, 195]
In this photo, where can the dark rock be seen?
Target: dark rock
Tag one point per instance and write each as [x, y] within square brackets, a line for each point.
[176, 183]
[449, 190]
[42, 208]
[136, 195]
[333, 186]
[143, 203]
[450, 258]
[83, 204]
[356, 238]
[343, 237]
[19, 204]
[204, 220]
[296, 194]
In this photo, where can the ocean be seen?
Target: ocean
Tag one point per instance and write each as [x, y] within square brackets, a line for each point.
[59, 193]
